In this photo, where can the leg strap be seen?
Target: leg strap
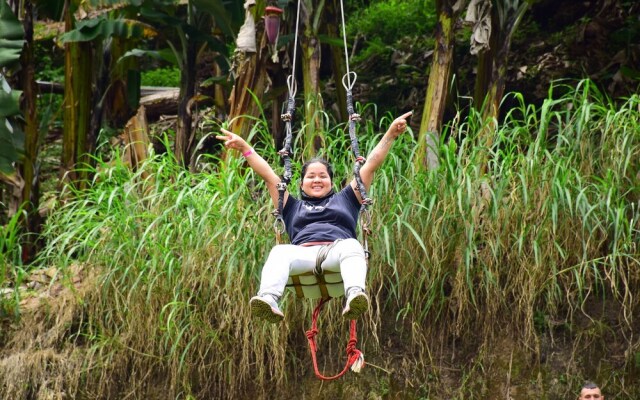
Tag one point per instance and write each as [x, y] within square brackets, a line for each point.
[322, 255]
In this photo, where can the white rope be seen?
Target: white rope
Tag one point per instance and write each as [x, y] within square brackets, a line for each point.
[291, 80]
[349, 84]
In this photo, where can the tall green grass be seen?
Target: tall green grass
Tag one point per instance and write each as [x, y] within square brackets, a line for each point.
[464, 256]
[11, 269]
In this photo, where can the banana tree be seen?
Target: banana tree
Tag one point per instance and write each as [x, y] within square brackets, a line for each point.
[311, 17]
[333, 31]
[90, 56]
[438, 86]
[18, 119]
[251, 58]
[187, 37]
[28, 166]
[494, 21]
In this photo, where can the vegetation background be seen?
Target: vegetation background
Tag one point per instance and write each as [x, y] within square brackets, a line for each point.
[506, 225]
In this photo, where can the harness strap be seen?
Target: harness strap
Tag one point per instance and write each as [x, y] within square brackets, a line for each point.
[297, 286]
[317, 271]
[322, 256]
[355, 358]
[286, 151]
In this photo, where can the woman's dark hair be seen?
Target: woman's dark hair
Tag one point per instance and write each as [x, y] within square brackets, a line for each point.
[321, 161]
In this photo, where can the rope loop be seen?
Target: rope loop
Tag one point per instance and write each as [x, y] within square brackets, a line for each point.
[348, 84]
[292, 85]
[355, 358]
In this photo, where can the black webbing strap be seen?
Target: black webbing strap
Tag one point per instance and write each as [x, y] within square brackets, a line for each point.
[365, 220]
[285, 154]
[359, 159]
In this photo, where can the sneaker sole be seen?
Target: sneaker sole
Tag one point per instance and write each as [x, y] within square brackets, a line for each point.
[263, 310]
[356, 307]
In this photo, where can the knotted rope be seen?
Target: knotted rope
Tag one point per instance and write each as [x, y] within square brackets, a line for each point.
[355, 358]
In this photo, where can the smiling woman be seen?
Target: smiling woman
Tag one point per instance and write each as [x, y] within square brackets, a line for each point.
[321, 226]
[316, 177]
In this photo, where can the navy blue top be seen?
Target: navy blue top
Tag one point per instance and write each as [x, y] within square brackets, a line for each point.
[322, 220]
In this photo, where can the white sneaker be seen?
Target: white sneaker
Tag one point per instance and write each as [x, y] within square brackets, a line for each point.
[357, 303]
[266, 307]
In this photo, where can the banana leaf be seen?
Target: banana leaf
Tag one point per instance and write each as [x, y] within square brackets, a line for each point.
[11, 43]
[11, 36]
[102, 28]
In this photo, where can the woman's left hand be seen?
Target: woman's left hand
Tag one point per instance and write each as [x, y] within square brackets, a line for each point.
[399, 125]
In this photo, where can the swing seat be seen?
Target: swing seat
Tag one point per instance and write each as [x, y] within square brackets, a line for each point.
[312, 286]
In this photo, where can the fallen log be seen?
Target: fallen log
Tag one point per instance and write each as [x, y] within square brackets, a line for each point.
[58, 88]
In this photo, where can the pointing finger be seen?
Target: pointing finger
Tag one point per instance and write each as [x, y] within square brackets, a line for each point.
[407, 115]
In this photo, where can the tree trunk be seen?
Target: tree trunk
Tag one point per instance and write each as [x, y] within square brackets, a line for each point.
[76, 106]
[250, 77]
[483, 75]
[136, 138]
[338, 62]
[101, 84]
[313, 104]
[501, 45]
[493, 64]
[30, 193]
[123, 95]
[184, 129]
[438, 86]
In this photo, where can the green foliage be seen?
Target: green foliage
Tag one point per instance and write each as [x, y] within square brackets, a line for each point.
[169, 77]
[51, 69]
[48, 71]
[12, 36]
[10, 249]
[385, 35]
[101, 28]
[11, 42]
[10, 266]
[389, 21]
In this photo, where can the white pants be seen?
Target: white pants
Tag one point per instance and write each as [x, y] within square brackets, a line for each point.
[346, 257]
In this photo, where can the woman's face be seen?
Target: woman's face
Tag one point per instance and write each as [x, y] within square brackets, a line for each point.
[316, 182]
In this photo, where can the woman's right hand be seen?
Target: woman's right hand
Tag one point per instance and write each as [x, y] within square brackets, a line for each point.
[233, 141]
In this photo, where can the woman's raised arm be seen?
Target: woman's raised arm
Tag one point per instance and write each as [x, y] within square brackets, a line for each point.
[255, 161]
[379, 153]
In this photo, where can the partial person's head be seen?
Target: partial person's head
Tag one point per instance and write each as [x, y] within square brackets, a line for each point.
[590, 391]
[317, 178]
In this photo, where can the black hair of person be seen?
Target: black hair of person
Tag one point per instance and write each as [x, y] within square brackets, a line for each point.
[590, 385]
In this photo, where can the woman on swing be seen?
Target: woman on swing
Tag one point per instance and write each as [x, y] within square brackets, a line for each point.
[319, 218]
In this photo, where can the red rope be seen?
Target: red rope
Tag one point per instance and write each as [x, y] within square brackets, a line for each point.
[353, 354]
